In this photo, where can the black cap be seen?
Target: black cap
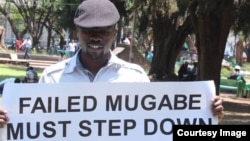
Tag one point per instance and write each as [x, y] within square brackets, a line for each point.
[96, 13]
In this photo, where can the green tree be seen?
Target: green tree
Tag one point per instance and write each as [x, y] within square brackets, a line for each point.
[52, 25]
[210, 21]
[34, 14]
[67, 14]
[15, 19]
[241, 18]
[241, 26]
[168, 34]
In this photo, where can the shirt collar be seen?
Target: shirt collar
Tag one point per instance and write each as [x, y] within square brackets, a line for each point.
[74, 62]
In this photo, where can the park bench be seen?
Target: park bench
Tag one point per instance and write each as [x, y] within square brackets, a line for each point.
[229, 84]
[235, 85]
[12, 58]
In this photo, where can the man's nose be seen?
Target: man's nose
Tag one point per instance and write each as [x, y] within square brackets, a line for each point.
[96, 36]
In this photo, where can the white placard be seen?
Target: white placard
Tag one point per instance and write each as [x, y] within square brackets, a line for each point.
[104, 111]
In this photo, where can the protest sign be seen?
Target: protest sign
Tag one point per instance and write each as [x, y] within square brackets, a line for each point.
[105, 111]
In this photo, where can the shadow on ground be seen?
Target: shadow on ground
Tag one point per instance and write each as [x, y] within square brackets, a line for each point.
[237, 110]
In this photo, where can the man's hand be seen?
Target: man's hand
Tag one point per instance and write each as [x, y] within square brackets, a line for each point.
[3, 117]
[217, 107]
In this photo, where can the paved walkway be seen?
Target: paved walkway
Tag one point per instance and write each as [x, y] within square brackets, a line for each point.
[40, 64]
[237, 110]
[39, 61]
[36, 61]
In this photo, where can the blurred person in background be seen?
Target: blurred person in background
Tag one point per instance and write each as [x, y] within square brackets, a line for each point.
[18, 45]
[237, 74]
[31, 76]
[26, 45]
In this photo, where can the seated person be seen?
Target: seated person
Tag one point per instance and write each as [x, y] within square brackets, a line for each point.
[237, 74]
[31, 77]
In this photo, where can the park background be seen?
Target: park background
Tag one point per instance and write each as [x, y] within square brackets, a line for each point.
[160, 27]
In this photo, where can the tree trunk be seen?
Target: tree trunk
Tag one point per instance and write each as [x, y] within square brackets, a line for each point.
[158, 67]
[212, 20]
[239, 51]
[2, 31]
[35, 43]
[49, 39]
[168, 40]
[16, 30]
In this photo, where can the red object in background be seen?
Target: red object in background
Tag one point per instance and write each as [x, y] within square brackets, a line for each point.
[130, 38]
[244, 56]
[18, 45]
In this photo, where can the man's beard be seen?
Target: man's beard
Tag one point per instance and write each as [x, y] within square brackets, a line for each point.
[95, 54]
[95, 49]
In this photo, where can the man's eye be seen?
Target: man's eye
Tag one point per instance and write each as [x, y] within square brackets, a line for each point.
[85, 31]
[96, 31]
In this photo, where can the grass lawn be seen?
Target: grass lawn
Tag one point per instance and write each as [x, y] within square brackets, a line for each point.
[7, 71]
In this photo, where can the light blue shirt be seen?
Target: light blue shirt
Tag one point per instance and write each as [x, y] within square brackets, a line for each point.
[8, 80]
[116, 70]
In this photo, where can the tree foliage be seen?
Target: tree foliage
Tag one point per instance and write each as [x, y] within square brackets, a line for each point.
[209, 20]
[242, 18]
[68, 13]
[168, 34]
[14, 18]
[34, 14]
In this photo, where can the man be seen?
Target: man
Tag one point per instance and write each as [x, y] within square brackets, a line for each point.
[72, 47]
[30, 76]
[27, 44]
[237, 74]
[95, 22]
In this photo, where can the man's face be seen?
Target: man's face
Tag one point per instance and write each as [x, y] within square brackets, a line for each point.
[28, 80]
[96, 42]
